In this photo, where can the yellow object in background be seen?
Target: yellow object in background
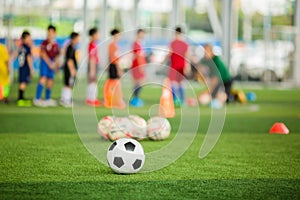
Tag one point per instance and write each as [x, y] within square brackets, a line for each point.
[239, 95]
[4, 72]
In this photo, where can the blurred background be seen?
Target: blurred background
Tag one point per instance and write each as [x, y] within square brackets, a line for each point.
[258, 39]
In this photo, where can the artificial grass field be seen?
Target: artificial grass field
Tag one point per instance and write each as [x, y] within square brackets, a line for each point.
[42, 156]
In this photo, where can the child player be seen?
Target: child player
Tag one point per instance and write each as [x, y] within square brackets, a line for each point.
[4, 74]
[49, 64]
[70, 70]
[93, 64]
[178, 54]
[115, 72]
[219, 75]
[25, 68]
[137, 69]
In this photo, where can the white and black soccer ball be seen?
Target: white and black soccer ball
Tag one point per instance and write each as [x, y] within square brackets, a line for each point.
[139, 125]
[126, 156]
[104, 125]
[158, 128]
[120, 128]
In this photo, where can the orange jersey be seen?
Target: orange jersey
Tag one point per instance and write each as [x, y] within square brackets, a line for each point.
[113, 52]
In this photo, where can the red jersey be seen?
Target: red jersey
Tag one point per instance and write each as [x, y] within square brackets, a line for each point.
[139, 57]
[178, 50]
[93, 51]
[51, 49]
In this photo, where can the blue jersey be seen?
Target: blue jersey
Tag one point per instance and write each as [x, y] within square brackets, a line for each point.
[24, 70]
[22, 57]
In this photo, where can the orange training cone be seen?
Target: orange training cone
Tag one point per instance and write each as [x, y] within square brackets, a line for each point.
[279, 128]
[113, 96]
[166, 104]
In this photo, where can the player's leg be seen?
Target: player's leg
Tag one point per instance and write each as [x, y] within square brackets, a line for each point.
[137, 88]
[228, 86]
[24, 77]
[66, 97]
[138, 77]
[118, 101]
[40, 87]
[42, 81]
[116, 93]
[180, 77]
[66, 94]
[21, 99]
[109, 84]
[38, 95]
[175, 89]
[92, 88]
[48, 91]
[49, 86]
[215, 91]
[22, 87]
[174, 86]
[50, 83]
[181, 92]
[136, 101]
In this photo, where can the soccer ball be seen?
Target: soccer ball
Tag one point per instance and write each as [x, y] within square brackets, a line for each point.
[251, 96]
[104, 125]
[126, 156]
[158, 128]
[204, 98]
[120, 128]
[139, 127]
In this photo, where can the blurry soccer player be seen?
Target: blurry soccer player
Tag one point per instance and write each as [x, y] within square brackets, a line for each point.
[115, 71]
[70, 71]
[113, 96]
[219, 74]
[179, 51]
[49, 64]
[4, 74]
[137, 68]
[25, 68]
[93, 65]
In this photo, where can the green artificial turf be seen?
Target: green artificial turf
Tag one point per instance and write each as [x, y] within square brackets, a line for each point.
[42, 156]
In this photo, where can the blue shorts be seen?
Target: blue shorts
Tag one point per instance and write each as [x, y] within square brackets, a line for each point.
[24, 74]
[45, 70]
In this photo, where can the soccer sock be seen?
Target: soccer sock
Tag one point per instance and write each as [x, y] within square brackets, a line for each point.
[181, 93]
[137, 89]
[92, 92]
[39, 91]
[21, 94]
[68, 95]
[48, 93]
[63, 94]
[174, 92]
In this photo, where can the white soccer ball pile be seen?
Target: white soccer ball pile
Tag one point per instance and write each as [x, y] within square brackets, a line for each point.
[126, 156]
[134, 126]
[120, 128]
[104, 126]
[158, 128]
[139, 127]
